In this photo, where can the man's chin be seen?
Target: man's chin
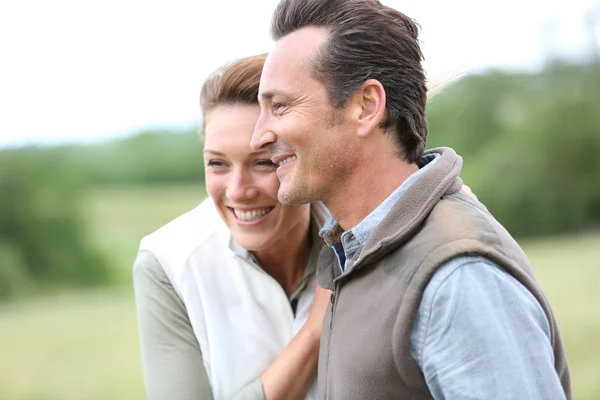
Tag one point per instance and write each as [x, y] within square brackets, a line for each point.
[293, 196]
[287, 196]
[285, 199]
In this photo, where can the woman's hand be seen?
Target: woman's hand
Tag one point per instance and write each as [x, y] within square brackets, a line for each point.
[467, 190]
[294, 370]
[321, 301]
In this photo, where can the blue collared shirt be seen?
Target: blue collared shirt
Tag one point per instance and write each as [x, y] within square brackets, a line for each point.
[478, 332]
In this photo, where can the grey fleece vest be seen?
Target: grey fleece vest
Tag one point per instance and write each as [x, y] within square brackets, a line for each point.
[365, 347]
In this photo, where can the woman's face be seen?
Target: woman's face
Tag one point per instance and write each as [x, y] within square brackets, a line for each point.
[242, 182]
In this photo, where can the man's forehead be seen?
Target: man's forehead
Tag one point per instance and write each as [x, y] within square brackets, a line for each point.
[290, 59]
[279, 77]
[298, 45]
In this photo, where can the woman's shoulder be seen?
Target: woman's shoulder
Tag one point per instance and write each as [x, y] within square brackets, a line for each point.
[187, 232]
[173, 244]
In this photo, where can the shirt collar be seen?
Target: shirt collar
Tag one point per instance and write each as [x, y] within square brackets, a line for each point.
[332, 232]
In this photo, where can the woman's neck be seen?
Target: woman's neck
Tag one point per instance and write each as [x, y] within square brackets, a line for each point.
[286, 260]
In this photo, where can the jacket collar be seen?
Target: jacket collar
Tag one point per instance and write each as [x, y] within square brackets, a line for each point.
[407, 214]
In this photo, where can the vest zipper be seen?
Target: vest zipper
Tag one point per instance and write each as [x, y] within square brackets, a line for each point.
[333, 303]
[332, 298]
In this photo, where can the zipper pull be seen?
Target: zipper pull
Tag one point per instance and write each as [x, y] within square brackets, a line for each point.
[332, 300]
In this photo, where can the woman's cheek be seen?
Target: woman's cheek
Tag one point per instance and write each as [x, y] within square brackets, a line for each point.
[213, 186]
[273, 185]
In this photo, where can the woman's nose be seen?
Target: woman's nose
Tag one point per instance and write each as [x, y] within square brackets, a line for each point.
[241, 187]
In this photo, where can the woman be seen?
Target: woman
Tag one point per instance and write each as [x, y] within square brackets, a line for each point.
[226, 296]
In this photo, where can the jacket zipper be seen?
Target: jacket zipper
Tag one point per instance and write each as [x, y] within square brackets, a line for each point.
[332, 298]
[333, 304]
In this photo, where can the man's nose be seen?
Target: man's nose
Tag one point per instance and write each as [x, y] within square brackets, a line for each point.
[262, 135]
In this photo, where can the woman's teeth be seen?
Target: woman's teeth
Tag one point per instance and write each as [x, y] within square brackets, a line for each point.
[251, 215]
[287, 160]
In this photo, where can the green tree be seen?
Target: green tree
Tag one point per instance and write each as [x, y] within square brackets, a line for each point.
[42, 230]
[529, 143]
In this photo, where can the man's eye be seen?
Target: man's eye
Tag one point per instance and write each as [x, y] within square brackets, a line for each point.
[265, 163]
[278, 106]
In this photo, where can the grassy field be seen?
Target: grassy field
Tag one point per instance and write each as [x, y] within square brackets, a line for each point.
[73, 346]
[84, 345]
[569, 271]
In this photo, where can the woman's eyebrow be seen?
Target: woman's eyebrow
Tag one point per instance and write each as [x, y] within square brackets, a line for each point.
[252, 153]
[216, 153]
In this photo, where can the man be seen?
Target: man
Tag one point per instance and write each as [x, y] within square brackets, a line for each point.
[432, 297]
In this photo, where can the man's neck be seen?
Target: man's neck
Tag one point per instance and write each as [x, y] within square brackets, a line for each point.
[366, 188]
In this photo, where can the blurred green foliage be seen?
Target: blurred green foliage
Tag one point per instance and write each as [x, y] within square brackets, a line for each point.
[42, 234]
[150, 157]
[530, 143]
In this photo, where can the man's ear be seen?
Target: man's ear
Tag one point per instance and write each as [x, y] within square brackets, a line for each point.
[370, 99]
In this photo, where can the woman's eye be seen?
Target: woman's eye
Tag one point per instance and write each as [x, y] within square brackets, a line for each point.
[215, 163]
[278, 106]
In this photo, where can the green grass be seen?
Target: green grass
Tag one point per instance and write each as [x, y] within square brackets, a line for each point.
[568, 269]
[84, 345]
[74, 346]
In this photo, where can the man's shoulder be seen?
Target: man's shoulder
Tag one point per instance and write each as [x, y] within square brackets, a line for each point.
[458, 215]
[457, 226]
[462, 222]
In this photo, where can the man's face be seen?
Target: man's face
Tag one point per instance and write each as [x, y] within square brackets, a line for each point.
[305, 135]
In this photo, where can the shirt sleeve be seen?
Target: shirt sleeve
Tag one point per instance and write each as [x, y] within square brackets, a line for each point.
[253, 391]
[480, 334]
[171, 356]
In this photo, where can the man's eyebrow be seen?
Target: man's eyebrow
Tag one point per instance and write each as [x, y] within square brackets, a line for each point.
[269, 94]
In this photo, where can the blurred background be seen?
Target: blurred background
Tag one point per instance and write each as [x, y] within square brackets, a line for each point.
[98, 114]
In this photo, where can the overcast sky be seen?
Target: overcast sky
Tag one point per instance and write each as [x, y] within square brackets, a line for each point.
[77, 70]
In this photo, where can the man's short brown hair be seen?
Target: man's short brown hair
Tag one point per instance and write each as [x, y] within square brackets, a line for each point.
[367, 40]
